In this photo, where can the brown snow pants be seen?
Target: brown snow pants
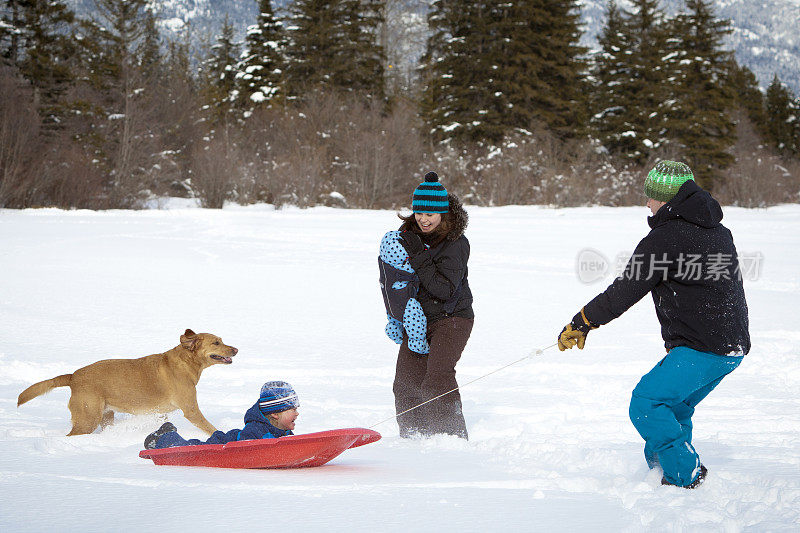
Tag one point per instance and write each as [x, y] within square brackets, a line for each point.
[421, 377]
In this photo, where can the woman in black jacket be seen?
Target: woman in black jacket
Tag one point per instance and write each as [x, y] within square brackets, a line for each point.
[438, 252]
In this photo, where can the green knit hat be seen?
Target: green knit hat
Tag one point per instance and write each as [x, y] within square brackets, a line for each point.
[663, 182]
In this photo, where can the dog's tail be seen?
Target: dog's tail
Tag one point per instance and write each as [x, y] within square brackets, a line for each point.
[37, 389]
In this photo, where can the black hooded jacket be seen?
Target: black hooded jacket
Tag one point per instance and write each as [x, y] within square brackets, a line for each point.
[689, 264]
[442, 270]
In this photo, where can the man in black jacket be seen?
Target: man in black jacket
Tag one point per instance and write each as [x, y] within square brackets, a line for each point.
[689, 264]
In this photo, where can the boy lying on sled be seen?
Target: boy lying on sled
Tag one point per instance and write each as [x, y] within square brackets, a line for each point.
[272, 416]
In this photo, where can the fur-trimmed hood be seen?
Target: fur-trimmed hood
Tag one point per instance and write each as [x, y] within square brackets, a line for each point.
[460, 218]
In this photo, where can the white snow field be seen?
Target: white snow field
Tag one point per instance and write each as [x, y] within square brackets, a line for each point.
[551, 447]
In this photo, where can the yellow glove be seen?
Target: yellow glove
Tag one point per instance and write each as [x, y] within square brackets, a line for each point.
[575, 332]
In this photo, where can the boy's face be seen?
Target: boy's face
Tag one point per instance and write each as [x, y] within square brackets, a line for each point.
[284, 420]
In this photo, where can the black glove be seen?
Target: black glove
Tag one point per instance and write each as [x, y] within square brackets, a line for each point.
[412, 243]
[575, 332]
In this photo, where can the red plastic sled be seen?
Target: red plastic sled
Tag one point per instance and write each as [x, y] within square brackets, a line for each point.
[294, 451]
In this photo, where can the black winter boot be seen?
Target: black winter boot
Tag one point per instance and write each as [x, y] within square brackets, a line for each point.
[152, 438]
[694, 484]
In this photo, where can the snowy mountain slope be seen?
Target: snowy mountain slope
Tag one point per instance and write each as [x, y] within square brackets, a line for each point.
[203, 18]
[765, 33]
[765, 36]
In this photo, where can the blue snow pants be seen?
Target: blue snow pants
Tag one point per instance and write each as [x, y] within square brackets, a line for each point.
[663, 403]
[171, 439]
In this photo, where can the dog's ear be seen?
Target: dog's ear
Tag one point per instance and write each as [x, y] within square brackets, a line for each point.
[189, 339]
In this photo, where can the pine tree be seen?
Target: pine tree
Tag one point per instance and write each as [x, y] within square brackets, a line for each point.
[362, 68]
[747, 94]
[782, 113]
[648, 86]
[311, 34]
[333, 45]
[538, 70]
[612, 71]
[638, 83]
[795, 122]
[178, 62]
[492, 68]
[261, 70]
[149, 51]
[697, 110]
[117, 30]
[458, 98]
[559, 100]
[35, 36]
[182, 108]
[218, 75]
[113, 43]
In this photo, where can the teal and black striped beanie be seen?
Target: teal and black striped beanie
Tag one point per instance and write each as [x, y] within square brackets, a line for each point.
[663, 182]
[430, 196]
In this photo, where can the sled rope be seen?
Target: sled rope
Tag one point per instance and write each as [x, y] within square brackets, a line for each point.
[532, 354]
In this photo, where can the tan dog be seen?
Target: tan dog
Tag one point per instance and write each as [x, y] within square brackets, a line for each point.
[158, 383]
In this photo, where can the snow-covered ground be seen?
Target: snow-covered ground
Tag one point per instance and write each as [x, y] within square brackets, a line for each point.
[551, 446]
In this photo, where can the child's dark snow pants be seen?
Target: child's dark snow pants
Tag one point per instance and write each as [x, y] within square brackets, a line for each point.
[663, 403]
[172, 438]
[421, 377]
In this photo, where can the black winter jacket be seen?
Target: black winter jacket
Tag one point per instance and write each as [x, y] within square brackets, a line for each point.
[442, 270]
[689, 264]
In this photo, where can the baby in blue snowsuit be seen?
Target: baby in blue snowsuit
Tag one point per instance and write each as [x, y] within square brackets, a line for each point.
[399, 285]
[272, 416]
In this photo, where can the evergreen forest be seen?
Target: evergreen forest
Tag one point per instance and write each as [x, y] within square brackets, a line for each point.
[317, 105]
